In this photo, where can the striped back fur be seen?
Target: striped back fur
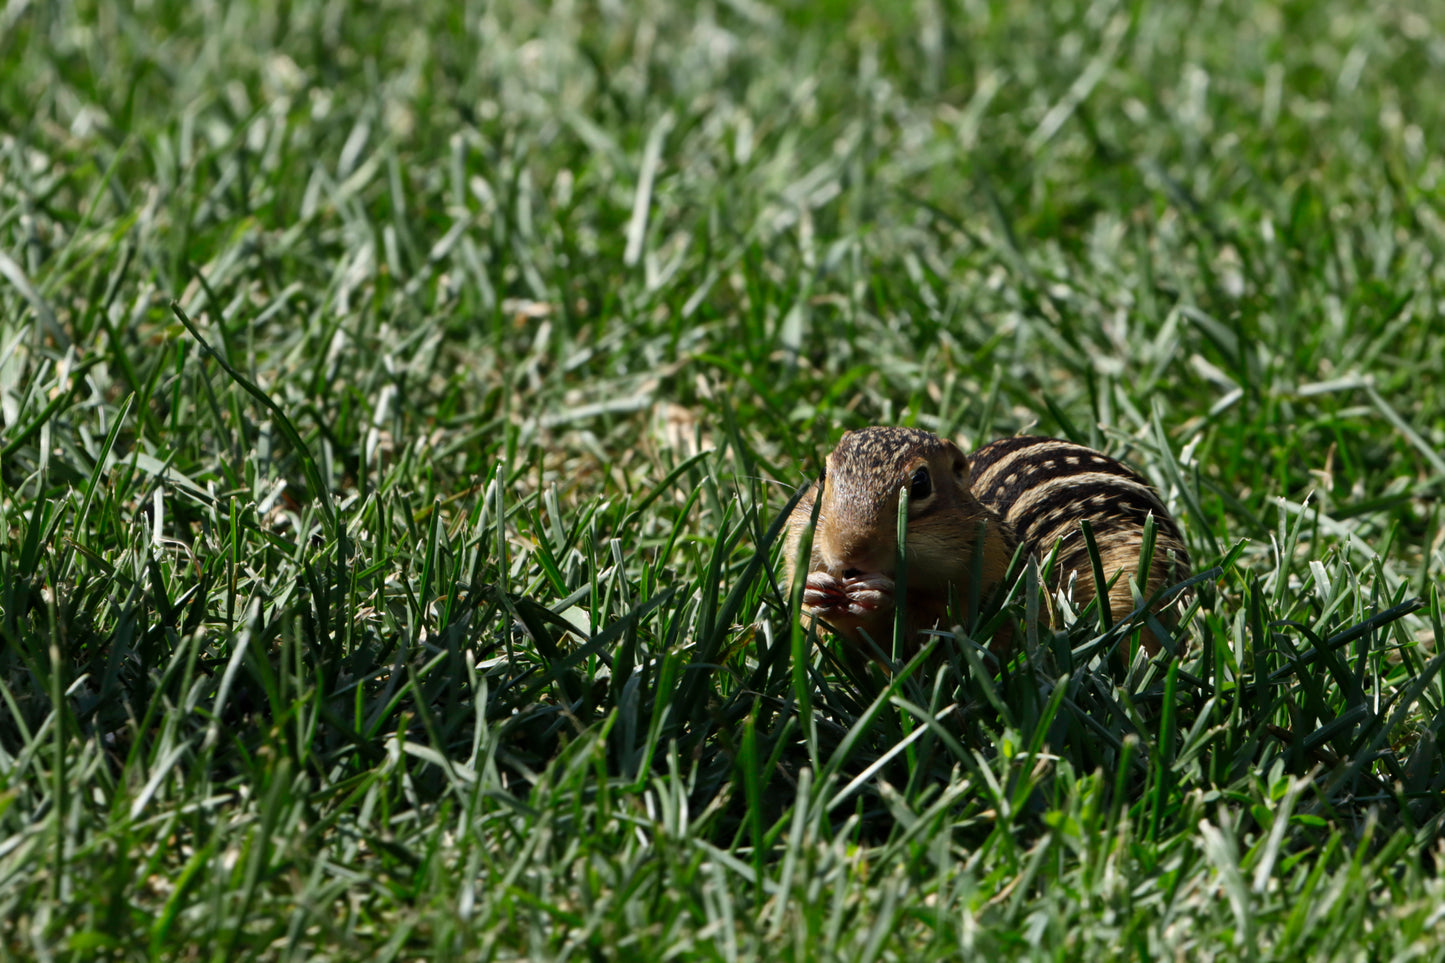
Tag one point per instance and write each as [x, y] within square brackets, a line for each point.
[1044, 487]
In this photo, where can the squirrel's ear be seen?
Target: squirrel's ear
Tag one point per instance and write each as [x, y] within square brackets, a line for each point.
[959, 463]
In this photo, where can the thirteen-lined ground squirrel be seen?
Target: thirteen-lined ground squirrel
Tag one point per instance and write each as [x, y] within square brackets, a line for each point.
[1025, 489]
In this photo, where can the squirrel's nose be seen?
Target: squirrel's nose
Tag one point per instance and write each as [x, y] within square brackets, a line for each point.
[862, 558]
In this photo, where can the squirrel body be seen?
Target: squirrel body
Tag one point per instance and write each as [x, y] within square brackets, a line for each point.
[968, 514]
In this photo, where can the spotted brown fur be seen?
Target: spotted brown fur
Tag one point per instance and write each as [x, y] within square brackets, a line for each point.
[1044, 488]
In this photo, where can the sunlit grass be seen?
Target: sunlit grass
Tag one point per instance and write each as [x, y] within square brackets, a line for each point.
[398, 403]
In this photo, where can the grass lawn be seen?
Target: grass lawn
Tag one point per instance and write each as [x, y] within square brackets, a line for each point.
[398, 402]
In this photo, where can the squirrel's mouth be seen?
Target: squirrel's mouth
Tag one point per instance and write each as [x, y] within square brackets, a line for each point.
[857, 598]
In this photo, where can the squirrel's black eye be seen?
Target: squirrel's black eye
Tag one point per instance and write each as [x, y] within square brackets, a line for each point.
[921, 486]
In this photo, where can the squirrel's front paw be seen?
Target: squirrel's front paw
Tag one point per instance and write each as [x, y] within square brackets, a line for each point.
[861, 595]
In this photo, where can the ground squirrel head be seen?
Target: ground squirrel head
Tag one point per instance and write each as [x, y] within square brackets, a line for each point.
[853, 565]
[858, 521]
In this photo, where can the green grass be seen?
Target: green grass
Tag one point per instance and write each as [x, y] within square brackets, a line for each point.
[408, 590]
